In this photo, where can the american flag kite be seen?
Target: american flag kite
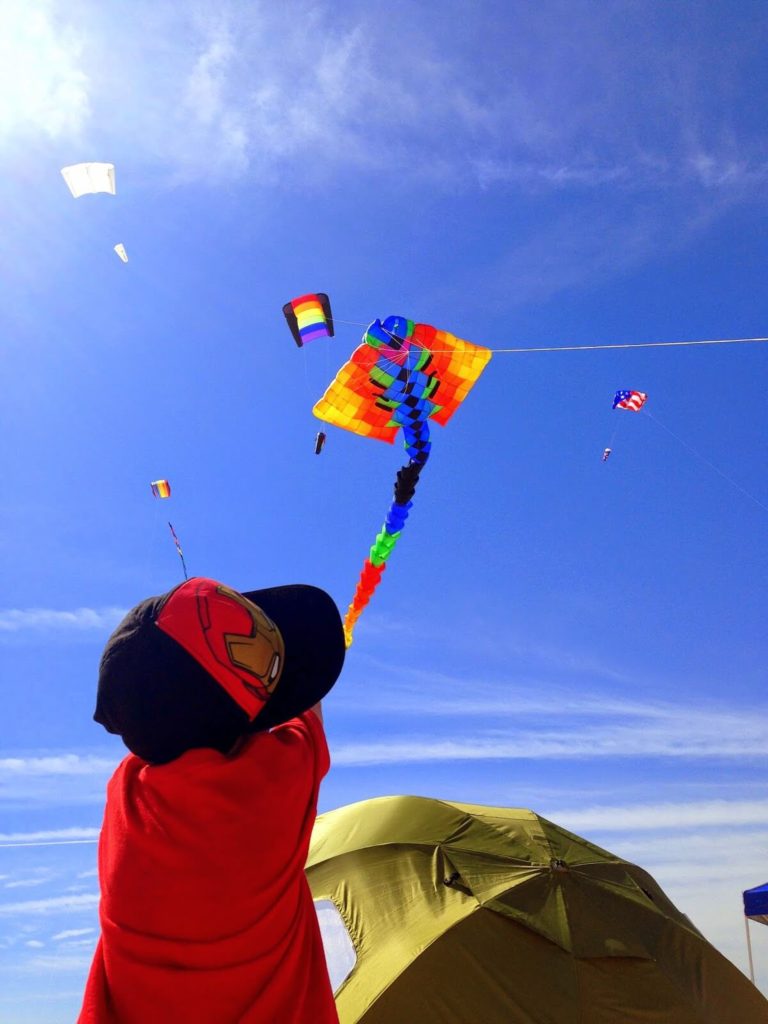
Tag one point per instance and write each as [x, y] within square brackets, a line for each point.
[634, 400]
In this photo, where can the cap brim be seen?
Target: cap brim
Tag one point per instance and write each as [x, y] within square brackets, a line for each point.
[313, 635]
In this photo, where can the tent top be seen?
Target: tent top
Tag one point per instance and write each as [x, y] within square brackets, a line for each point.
[756, 903]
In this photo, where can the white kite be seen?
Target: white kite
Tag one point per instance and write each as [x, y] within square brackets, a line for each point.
[82, 179]
[120, 250]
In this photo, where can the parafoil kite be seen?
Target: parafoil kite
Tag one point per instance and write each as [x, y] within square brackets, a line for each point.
[606, 454]
[309, 317]
[83, 179]
[633, 400]
[400, 377]
[120, 250]
[161, 488]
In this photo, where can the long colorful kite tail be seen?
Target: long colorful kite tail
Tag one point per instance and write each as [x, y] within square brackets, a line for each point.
[386, 538]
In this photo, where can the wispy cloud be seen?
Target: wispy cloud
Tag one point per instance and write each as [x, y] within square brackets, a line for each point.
[27, 883]
[16, 620]
[42, 82]
[497, 646]
[671, 735]
[54, 764]
[37, 780]
[56, 963]
[75, 903]
[72, 933]
[73, 834]
[658, 817]
[292, 91]
[538, 719]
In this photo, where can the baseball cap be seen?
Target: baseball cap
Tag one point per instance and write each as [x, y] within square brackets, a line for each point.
[204, 664]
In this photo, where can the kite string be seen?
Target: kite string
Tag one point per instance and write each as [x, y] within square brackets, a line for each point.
[706, 461]
[640, 344]
[588, 348]
[616, 425]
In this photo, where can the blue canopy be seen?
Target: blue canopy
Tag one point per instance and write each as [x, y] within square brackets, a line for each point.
[756, 903]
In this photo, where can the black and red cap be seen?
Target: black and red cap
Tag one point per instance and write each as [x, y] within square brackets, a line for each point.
[203, 665]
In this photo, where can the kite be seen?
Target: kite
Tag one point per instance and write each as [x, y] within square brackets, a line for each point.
[631, 400]
[309, 317]
[161, 488]
[86, 178]
[319, 442]
[634, 400]
[120, 250]
[401, 376]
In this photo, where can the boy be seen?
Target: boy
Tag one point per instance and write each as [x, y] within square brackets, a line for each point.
[206, 916]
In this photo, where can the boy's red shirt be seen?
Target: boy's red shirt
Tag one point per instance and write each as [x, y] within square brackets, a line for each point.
[206, 915]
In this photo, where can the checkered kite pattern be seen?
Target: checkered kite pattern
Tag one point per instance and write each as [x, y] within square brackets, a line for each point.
[353, 400]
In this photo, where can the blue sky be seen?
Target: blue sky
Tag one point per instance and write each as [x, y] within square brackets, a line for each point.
[584, 639]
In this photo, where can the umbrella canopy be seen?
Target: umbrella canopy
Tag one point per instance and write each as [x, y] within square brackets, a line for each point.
[461, 914]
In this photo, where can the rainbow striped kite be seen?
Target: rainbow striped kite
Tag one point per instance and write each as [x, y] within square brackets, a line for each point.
[309, 317]
[403, 375]
[161, 488]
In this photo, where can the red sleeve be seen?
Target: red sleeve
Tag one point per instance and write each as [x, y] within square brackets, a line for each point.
[307, 730]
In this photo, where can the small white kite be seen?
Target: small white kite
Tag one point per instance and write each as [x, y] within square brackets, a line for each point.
[85, 178]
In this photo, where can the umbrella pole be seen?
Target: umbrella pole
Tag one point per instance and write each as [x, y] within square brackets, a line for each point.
[749, 951]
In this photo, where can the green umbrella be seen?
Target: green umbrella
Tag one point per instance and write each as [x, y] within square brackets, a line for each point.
[462, 914]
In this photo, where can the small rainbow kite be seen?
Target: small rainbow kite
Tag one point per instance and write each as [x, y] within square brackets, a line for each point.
[161, 488]
[309, 317]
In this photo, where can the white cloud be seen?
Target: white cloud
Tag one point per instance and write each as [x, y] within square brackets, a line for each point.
[609, 741]
[15, 620]
[56, 962]
[54, 905]
[216, 139]
[606, 727]
[72, 933]
[51, 837]
[33, 995]
[722, 169]
[26, 883]
[27, 781]
[657, 817]
[292, 91]
[42, 82]
[54, 764]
